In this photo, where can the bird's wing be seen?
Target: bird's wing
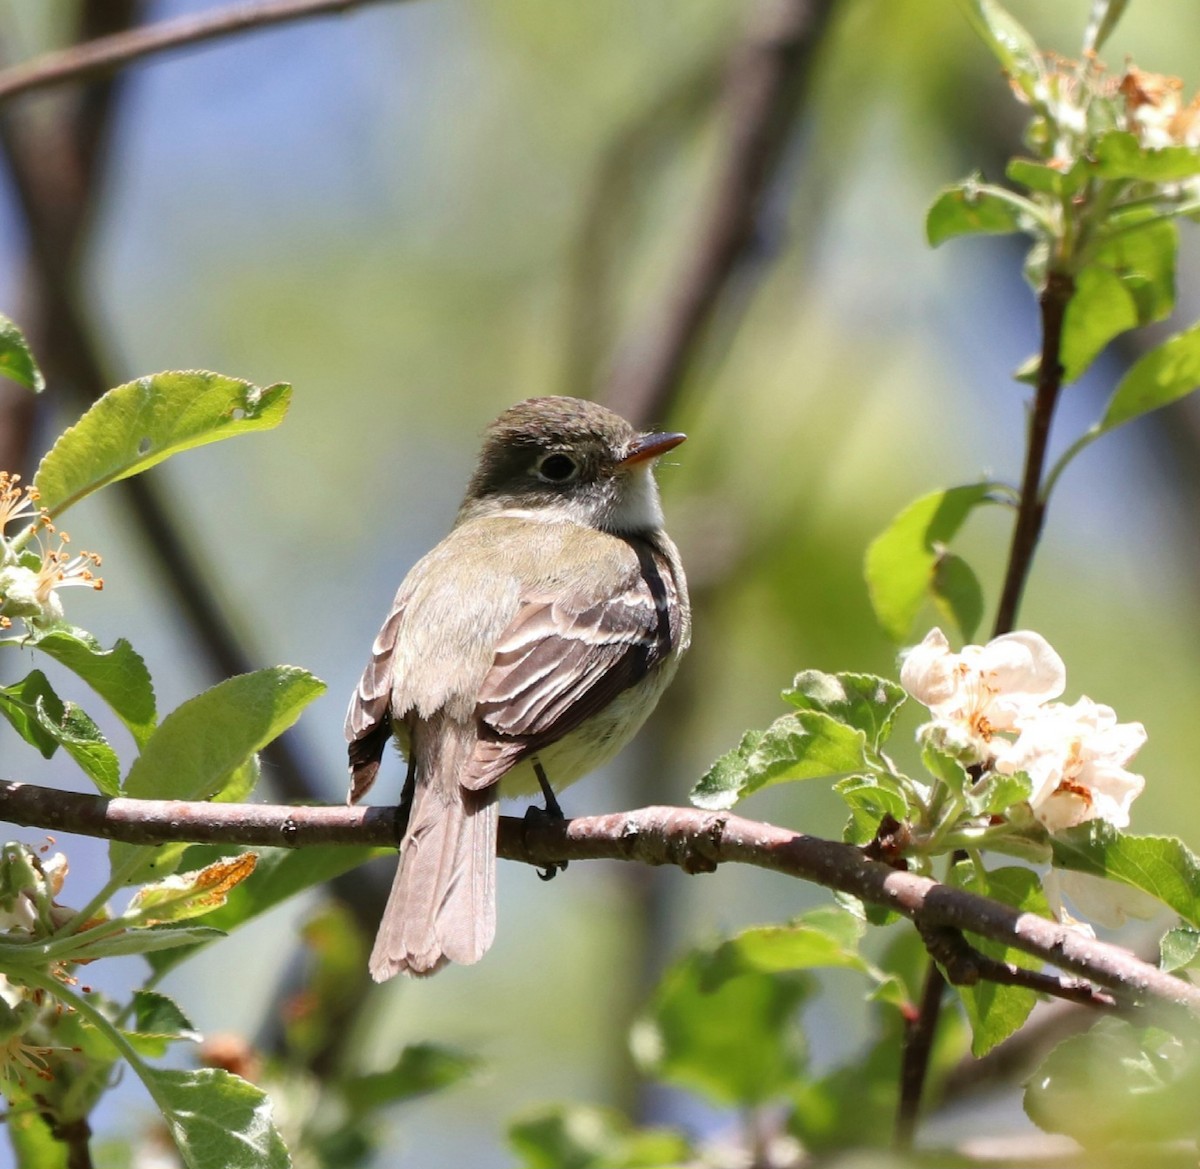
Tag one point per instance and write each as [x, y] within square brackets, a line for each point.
[558, 663]
[369, 719]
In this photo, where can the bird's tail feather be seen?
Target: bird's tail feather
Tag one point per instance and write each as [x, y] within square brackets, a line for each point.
[442, 907]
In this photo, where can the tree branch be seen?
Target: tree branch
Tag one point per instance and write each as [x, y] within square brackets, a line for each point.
[696, 841]
[762, 97]
[107, 54]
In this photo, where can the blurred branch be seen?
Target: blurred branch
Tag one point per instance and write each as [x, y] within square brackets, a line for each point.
[696, 841]
[57, 172]
[762, 96]
[107, 54]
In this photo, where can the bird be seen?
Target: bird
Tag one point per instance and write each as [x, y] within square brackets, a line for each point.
[522, 652]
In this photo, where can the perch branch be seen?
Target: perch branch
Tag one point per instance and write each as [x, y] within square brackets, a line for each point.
[696, 841]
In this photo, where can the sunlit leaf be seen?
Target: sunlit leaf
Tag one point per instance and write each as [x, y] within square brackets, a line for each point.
[1119, 1083]
[957, 594]
[217, 1120]
[202, 745]
[1179, 948]
[996, 1011]
[1011, 45]
[828, 937]
[869, 801]
[45, 721]
[118, 675]
[864, 701]
[804, 745]
[137, 425]
[1162, 866]
[730, 1036]
[19, 705]
[1100, 309]
[16, 360]
[1119, 155]
[902, 562]
[1105, 14]
[1165, 374]
[421, 1068]
[575, 1136]
[974, 208]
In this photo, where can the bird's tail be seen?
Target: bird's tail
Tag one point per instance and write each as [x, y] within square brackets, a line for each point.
[442, 907]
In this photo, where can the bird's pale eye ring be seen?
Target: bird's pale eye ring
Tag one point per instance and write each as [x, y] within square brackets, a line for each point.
[556, 467]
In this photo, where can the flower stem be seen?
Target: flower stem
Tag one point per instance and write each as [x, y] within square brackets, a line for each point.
[1060, 286]
[1052, 302]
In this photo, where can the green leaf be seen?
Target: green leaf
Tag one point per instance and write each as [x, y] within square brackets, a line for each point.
[731, 1037]
[16, 361]
[158, 1022]
[1141, 252]
[1119, 1083]
[1162, 866]
[995, 1012]
[19, 704]
[1049, 180]
[945, 767]
[1100, 309]
[805, 745]
[579, 1137]
[997, 793]
[421, 1068]
[118, 675]
[280, 873]
[1011, 45]
[32, 1141]
[1105, 14]
[146, 941]
[217, 1120]
[828, 937]
[200, 747]
[1165, 374]
[1119, 155]
[80, 737]
[42, 719]
[975, 208]
[858, 700]
[137, 425]
[1178, 948]
[869, 801]
[902, 563]
[957, 594]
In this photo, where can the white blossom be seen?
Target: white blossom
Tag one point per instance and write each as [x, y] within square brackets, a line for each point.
[1076, 756]
[983, 690]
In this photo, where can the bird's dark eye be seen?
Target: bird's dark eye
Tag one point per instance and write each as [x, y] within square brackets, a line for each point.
[557, 468]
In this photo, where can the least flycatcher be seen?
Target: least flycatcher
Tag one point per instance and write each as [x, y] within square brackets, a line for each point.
[530, 644]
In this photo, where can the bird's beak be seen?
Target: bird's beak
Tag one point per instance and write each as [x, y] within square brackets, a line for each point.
[650, 446]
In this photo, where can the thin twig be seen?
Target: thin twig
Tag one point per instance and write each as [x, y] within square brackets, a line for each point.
[105, 55]
[695, 841]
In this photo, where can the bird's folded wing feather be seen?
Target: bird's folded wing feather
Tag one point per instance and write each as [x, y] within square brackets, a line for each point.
[559, 663]
[369, 720]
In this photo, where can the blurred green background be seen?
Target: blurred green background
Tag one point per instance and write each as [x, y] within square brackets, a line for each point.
[421, 212]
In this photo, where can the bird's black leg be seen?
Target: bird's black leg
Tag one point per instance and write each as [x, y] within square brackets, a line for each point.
[552, 810]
